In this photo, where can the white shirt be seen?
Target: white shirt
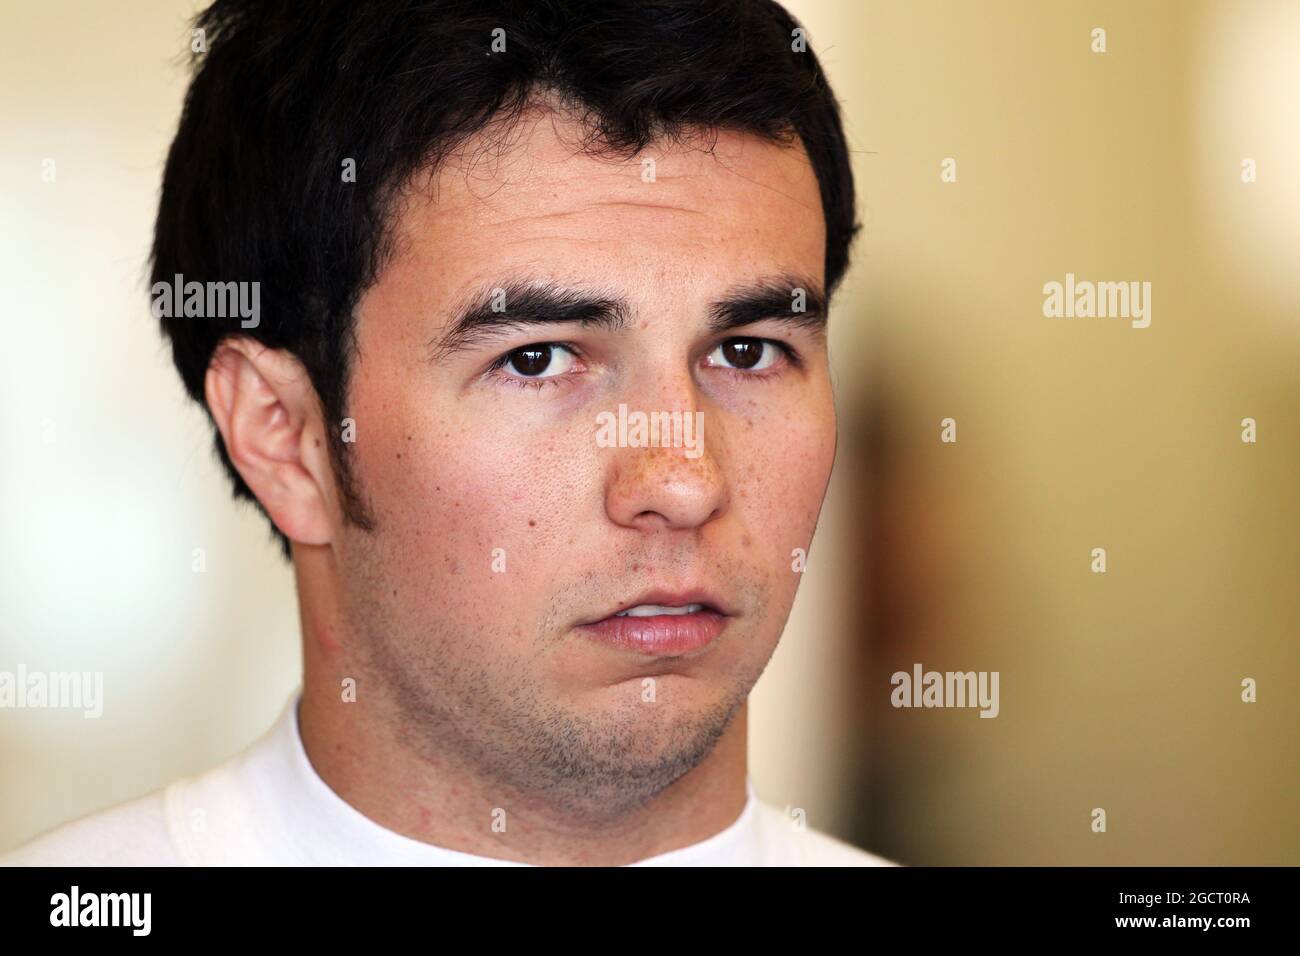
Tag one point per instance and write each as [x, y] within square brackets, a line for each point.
[268, 807]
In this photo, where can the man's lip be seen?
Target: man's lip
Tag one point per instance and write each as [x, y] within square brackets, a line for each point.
[661, 635]
[661, 598]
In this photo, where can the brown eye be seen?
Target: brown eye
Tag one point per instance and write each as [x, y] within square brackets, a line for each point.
[745, 354]
[542, 360]
[531, 360]
[742, 353]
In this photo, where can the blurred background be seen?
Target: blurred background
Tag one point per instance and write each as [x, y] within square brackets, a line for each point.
[1118, 690]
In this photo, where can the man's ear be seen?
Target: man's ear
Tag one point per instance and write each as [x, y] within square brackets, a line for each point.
[267, 411]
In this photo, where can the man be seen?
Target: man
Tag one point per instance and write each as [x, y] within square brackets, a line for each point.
[535, 395]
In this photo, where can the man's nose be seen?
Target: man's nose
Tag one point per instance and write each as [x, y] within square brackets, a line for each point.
[665, 470]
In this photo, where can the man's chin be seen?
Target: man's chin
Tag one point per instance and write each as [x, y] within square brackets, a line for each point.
[606, 760]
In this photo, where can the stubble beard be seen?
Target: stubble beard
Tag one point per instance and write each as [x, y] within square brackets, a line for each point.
[506, 732]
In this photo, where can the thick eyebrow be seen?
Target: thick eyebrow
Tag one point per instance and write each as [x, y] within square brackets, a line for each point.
[786, 298]
[522, 304]
[519, 304]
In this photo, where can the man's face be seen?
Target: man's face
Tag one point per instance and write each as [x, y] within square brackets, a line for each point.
[504, 527]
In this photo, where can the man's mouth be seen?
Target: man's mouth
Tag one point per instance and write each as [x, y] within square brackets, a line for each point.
[654, 610]
[663, 625]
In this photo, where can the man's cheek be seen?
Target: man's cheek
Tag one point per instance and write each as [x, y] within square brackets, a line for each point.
[782, 503]
[787, 471]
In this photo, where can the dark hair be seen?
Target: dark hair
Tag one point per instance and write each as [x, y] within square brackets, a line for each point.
[288, 90]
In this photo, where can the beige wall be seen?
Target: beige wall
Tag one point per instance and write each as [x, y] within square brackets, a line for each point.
[107, 483]
[1121, 690]
[1117, 690]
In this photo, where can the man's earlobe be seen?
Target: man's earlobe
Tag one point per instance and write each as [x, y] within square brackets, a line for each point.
[266, 410]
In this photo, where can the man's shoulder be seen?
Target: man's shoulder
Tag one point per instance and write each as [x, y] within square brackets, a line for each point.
[134, 833]
[206, 818]
[193, 820]
[788, 843]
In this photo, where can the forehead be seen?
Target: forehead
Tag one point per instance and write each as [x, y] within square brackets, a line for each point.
[529, 200]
